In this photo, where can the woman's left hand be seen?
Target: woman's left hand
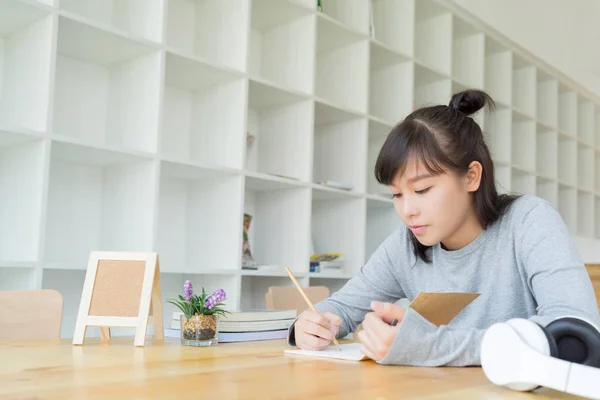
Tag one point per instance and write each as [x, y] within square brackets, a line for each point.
[377, 334]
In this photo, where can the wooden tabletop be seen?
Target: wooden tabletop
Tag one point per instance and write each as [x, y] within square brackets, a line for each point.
[55, 369]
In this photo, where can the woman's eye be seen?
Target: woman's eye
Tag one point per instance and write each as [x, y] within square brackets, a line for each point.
[397, 195]
[422, 191]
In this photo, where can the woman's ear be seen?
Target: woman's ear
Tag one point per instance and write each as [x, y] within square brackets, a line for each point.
[473, 176]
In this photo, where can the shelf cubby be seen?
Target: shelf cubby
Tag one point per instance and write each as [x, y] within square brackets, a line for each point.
[254, 288]
[523, 142]
[26, 36]
[382, 220]
[279, 233]
[498, 72]
[567, 111]
[106, 94]
[282, 39]
[597, 172]
[378, 132]
[281, 123]
[353, 15]
[585, 167]
[524, 89]
[22, 166]
[394, 24]
[143, 19]
[331, 280]
[597, 129]
[498, 135]
[546, 152]
[338, 81]
[468, 50]
[597, 217]
[338, 226]
[585, 214]
[567, 161]
[97, 199]
[390, 89]
[547, 99]
[547, 189]
[522, 181]
[503, 177]
[340, 139]
[567, 206]
[308, 4]
[14, 137]
[431, 88]
[585, 121]
[433, 36]
[16, 278]
[203, 113]
[199, 219]
[210, 30]
[70, 285]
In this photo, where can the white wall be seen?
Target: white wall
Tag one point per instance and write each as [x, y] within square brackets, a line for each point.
[565, 34]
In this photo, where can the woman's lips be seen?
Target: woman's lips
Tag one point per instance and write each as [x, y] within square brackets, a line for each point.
[418, 229]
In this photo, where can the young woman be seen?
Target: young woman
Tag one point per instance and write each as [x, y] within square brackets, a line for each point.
[459, 234]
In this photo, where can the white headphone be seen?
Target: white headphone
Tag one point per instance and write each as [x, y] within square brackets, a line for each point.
[521, 355]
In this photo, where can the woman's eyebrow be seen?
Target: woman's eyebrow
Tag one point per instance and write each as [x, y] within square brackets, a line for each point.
[419, 177]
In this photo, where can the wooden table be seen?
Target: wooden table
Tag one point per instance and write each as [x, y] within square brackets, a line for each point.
[55, 369]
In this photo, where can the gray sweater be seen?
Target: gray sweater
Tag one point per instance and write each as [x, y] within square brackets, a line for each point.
[524, 265]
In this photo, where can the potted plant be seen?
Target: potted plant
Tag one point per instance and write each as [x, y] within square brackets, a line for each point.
[200, 319]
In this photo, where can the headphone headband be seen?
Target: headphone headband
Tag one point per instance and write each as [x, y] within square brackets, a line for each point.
[506, 359]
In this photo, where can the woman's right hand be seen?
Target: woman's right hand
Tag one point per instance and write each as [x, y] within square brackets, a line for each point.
[314, 331]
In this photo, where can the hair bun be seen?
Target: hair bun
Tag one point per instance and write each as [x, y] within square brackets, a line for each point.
[470, 101]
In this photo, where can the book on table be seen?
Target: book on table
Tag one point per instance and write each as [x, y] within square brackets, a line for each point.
[247, 325]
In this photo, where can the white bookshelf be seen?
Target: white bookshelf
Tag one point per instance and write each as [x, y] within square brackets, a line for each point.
[124, 125]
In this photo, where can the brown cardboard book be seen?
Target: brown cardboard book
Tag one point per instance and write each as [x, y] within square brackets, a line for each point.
[441, 308]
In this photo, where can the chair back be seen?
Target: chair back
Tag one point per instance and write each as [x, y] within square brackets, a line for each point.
[288, 297]
[594, 271]
[30, 314]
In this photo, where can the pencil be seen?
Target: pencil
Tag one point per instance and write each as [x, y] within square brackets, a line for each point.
[310, 304]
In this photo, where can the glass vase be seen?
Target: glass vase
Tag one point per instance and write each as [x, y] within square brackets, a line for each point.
[200, 330]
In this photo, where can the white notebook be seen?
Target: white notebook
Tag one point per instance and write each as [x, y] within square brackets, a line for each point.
[350, 351]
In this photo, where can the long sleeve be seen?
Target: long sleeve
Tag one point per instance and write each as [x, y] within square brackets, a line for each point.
[555, 274]
[375, 281]
[421, 343]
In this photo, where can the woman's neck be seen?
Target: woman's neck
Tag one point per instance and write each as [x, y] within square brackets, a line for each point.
[468, 232]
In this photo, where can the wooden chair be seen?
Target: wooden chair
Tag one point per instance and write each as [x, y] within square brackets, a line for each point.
[288, 297]
[30, 314]
[594, 271]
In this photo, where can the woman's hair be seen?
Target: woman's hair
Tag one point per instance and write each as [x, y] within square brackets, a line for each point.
[445, 136]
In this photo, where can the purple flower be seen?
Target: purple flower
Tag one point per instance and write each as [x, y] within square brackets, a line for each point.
[217, 297]
[188, 290]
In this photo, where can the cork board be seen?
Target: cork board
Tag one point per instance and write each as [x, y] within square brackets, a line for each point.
[118, 288]
[121, 289]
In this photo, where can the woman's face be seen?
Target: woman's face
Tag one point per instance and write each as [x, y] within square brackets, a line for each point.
[435, 208]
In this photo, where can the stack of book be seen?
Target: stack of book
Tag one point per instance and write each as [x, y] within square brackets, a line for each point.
[330, 262]
[246, 325]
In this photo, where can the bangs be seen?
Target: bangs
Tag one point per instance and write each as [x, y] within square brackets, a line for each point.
[410, 141]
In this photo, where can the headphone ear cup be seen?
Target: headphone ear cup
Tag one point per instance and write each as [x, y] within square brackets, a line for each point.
[577, 340]
[535, 337]
[551, 342]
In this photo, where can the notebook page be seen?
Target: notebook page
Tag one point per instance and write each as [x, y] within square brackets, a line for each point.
[350, 351]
